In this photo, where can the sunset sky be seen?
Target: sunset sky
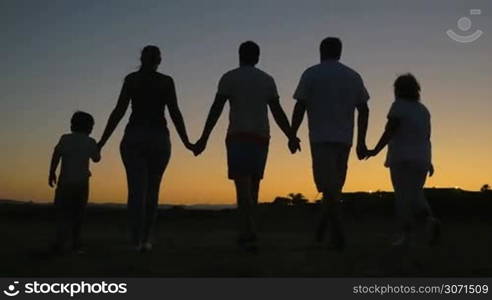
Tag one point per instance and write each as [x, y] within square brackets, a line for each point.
[61, 56]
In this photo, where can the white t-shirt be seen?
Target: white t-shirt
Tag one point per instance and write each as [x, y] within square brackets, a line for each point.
[331, 92]
[249, 91]
[411, 140]
[76, 149]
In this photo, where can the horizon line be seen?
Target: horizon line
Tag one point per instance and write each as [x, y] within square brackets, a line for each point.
[233, 204]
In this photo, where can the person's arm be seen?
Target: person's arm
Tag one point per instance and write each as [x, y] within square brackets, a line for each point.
[362, 122]
[301, 94]
[116, 115]
[389, 131]
[281, 118]
[55, 161]
[96, 153]
[213, 116]
[298, 115]
[297, 118]
[178, 121]
[431, 167]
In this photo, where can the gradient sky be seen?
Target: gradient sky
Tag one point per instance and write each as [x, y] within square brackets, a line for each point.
[61, 56]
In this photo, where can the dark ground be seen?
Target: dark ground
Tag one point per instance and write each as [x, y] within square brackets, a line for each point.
[199, 243]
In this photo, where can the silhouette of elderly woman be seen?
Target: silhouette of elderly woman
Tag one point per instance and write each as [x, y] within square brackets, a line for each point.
[145, 148]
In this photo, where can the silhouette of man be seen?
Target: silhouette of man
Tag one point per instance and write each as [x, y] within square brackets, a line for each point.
[330, 92]
[250, 92]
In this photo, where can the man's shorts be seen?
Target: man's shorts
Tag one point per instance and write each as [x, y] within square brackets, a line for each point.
[330, 165]
[246, 156]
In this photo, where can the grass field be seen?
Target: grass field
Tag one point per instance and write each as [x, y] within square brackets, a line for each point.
[199, 243]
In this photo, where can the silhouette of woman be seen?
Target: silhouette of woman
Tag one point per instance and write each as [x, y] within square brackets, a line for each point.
[145, 148]
[408, 137]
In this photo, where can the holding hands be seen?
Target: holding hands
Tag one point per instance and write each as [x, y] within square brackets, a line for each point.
[362, 152]
[371, 153]
[189, 146]
[294, 144]
[199, 146]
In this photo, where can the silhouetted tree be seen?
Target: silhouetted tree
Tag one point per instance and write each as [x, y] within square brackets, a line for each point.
[485, 188]
[282, 201]
[297, 198]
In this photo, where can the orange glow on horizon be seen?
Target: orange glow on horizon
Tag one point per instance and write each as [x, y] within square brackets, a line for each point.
[190, 180]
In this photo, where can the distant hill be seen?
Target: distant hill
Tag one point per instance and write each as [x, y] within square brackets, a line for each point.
[443, 200]
[203, 206]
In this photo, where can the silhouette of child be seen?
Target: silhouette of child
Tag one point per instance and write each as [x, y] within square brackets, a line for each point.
[407, 135]
[72, 187]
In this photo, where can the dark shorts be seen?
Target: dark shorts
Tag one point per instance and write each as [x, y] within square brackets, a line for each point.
[72, 197]
[329, 165]
[246, 157]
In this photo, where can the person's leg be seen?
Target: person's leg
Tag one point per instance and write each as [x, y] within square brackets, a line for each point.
[245, 208]
[79, 205]
[255, 189]
[151, 205]
[331, 216]
[260, 158]
[157, 162]
[421, 206]
[334, 194]
[400, 178]
[330, 167]
[136, 175]
[62, 216]
[321, 164]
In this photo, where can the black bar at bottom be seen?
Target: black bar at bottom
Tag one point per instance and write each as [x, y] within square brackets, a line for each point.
[243, 288]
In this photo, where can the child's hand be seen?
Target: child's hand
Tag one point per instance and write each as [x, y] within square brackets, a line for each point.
[52, 180]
